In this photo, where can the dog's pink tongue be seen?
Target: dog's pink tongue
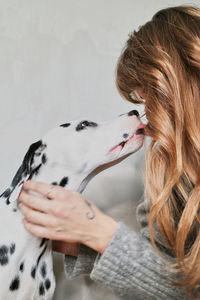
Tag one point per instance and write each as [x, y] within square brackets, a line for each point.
[65, 248]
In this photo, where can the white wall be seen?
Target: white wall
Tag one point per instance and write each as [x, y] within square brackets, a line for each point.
[57, 63]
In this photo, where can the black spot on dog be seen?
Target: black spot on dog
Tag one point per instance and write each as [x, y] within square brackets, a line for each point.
[12, 248]
[44, 158]
[43, 270]
[33, 270]
[47, 284]
[42, 242]
[3, 250]
[21, 267]
[54, 183]
[125, 135]
[64, 181]
[3, 255]
[14, 284]
[41, 254]
[65, 125]
[41, 289]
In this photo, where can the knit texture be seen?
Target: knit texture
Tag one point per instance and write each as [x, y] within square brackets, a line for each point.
[129, 265]
[82, 264]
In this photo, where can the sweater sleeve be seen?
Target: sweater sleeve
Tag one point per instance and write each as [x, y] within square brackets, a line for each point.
[129, 265]
[82, 264]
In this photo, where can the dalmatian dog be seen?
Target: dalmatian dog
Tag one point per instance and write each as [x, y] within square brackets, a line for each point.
[69, 156]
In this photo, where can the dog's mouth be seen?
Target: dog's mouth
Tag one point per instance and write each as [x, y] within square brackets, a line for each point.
[137, 134]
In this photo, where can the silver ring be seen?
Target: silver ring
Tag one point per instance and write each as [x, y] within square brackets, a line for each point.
[48, 196]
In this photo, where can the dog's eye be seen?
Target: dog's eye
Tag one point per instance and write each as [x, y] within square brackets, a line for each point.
[85, 124]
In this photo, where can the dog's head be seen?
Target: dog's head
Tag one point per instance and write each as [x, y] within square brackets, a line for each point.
[83, 145]
[78, 148]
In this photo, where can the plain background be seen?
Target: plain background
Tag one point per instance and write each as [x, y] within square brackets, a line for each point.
[57, 63]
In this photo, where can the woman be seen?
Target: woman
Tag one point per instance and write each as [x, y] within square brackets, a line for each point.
[161, 61]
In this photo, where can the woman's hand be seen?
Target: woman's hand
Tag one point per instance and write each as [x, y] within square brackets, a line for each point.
[64, 216]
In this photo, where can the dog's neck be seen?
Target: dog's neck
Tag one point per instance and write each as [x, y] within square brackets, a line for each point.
[75, 181]
[62, 177]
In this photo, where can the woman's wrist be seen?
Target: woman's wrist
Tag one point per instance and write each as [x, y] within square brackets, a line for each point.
[103, 234]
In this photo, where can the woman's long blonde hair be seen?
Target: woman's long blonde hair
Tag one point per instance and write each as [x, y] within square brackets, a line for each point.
[163, 59]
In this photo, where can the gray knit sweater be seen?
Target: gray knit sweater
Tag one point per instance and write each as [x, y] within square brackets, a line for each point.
[129, 265]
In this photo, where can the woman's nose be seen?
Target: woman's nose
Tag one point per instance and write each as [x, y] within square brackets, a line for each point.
[133, 112]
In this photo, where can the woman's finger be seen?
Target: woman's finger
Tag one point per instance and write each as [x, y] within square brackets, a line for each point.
[44, 232]
[34, 202]
[37, 230]
[35, 216]
[38, 187]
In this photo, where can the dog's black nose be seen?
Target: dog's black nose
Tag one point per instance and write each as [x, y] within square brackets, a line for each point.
[133, 112]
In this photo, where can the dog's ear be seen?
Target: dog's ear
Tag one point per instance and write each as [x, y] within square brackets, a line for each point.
[27, 169]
